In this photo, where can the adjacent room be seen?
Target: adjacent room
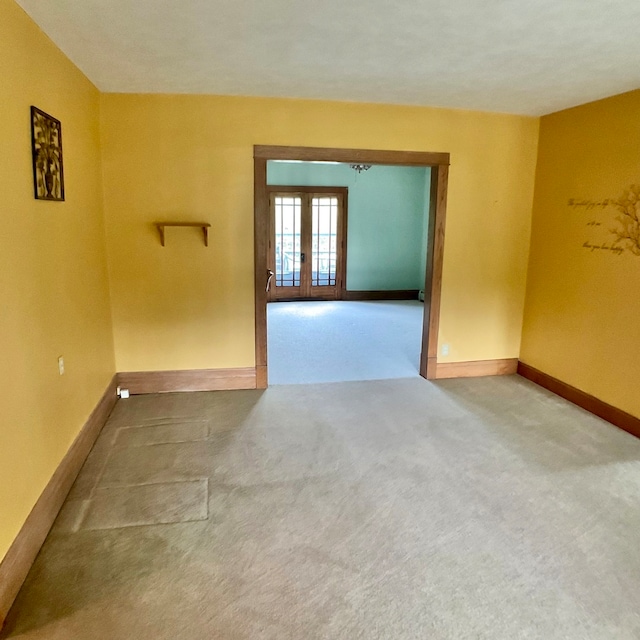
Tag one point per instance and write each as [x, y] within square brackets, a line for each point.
[253, 390]
[360, 231]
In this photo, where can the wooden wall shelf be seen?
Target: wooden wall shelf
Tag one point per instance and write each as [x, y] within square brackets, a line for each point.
[203, 225]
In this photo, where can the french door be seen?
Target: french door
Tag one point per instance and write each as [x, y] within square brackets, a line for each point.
[307, 242]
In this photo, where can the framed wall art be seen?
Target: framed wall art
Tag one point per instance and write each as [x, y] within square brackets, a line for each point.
[46, 139]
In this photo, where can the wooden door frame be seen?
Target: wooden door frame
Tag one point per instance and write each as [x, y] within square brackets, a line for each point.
[439, 164]
[343, 193]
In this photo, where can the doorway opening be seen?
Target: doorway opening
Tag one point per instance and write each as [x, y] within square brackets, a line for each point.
[294, 265]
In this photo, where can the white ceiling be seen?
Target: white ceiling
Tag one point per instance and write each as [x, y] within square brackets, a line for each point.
[510, 56]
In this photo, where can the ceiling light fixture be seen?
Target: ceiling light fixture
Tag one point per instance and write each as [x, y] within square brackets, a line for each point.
[359, 168]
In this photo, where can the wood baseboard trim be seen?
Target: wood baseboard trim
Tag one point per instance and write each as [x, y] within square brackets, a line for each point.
[603, 410]
[476, 368]
[261, 377]
[397, 294]
[139, 382]
[18, 560]
[431, 371]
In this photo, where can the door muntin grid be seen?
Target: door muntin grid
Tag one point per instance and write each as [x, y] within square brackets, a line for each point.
[324, 240]
[288, 229]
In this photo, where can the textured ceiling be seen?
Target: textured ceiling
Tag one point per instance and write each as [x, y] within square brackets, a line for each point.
[497, 55]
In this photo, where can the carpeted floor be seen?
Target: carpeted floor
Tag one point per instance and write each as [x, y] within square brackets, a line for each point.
[312, 341]
[399, 510]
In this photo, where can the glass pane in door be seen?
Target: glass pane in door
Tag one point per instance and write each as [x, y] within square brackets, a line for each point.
[287, 241]
[324, 240]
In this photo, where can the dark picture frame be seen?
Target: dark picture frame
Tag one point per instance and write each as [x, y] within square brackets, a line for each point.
[46, 147]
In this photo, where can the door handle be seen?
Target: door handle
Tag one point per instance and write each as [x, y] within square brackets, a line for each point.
[302, 257]
[269, 276]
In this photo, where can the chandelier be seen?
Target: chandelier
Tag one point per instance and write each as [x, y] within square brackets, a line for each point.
[359, 168]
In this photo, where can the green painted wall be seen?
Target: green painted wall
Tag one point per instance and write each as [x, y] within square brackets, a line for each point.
[386, 242]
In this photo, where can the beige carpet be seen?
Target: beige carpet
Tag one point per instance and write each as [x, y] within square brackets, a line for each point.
[398, 509]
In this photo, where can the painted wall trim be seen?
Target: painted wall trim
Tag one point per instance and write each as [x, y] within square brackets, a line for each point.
[476, 368]
[395, 294]
[22, 553]
[187, 380]
[603, 410]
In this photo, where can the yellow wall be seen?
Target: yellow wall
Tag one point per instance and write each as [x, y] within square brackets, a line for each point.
[582, 309]
[53, 279]
[185, 306]
[190, 157]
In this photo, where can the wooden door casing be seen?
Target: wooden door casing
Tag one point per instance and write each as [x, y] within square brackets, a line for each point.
[439, 163]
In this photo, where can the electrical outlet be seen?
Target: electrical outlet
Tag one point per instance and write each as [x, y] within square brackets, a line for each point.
[61, 365]
[444, 350]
